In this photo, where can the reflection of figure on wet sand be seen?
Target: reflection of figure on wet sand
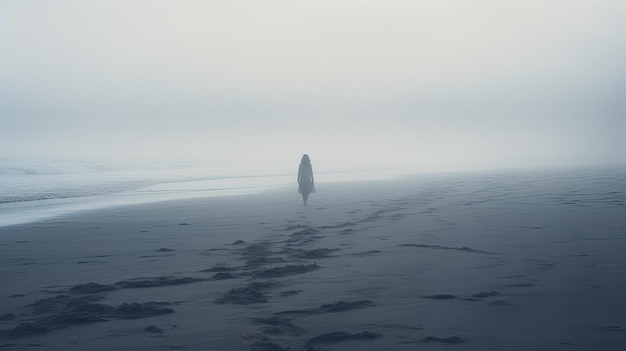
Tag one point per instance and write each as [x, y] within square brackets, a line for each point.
[305, 178]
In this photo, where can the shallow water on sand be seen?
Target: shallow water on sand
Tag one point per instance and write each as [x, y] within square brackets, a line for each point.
[27, 196]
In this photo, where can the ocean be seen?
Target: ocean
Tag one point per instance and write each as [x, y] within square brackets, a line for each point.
[32, 190]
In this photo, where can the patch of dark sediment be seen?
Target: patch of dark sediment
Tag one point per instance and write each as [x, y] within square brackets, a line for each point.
[439, 297]
[91, 288]
[474, 297]
[464, 248]
[310, 254]
[517, 277]
[541, 262]
[265, 344]
[271, 320]
[383, 213]
[613, 328]
[521, 285]
[302, 241]
[279, 326]
[294, 227]
[262, 261]
[153, 329]
[281, 271]
[88, 313]
[155, 282]
[219, 269]
[305, 232]
[303, 237]
[210, 252]
[339, 306]
[252, 293]
[137, 310]
[366, 253]
[224, 276]
[335, 337]
[448, 340]
[338, 226]
[286, 329]
[260, 249]
[7, 317]
[67, 309]
[24, 330]
[61, 302]
[63, 311]
[483, 295]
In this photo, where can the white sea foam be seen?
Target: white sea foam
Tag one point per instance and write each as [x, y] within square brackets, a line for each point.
[42, 179]
[43, 166]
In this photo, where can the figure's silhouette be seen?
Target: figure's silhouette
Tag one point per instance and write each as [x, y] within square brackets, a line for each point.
[305, 178]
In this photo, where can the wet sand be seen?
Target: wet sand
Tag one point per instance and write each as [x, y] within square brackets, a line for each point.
[513, 261]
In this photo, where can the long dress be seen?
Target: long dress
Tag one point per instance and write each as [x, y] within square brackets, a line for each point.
[305, 179]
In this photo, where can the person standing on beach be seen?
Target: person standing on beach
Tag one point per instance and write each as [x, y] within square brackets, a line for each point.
[305, 178]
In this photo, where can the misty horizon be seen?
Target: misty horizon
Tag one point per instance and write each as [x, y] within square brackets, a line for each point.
[428, 86]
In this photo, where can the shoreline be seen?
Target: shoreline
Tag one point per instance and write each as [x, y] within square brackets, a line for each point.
[22, 212]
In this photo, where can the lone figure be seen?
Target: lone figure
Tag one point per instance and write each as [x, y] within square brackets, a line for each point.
[305, 178]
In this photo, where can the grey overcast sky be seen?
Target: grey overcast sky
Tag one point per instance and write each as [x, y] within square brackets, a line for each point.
[430, 84]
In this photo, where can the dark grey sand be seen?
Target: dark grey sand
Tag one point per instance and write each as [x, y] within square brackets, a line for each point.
[508, 261]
